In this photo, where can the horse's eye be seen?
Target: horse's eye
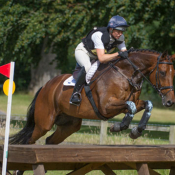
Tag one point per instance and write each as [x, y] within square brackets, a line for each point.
[162, 73]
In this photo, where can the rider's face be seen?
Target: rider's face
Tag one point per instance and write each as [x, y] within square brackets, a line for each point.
[116, 33]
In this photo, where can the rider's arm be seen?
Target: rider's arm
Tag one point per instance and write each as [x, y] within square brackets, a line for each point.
[104, 58]
[100, 50]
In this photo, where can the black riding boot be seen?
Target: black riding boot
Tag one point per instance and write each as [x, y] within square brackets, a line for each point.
[76, 96]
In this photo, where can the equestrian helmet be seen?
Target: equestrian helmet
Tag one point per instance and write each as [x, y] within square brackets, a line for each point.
[117, 22]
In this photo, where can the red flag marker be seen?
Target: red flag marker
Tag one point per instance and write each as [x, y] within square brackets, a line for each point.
[5, 70]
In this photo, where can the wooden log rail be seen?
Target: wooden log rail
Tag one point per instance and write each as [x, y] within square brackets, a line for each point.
[83, 159]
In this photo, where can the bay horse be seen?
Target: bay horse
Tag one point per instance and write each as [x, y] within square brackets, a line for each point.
[115, 88]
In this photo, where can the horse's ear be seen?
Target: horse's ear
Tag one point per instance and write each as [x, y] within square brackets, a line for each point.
[173, 57]
[164, 54]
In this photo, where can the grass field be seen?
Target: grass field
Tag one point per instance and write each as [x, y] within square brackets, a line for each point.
[20, 103]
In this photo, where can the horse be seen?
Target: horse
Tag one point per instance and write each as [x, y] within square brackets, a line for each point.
[115, 89]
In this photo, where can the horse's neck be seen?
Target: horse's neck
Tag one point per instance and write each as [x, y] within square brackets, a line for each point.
[144, 62]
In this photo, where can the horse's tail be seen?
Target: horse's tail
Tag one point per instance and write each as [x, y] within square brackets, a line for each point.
[23, 136]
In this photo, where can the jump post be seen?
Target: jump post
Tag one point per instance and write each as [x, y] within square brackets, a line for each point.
[83, 159]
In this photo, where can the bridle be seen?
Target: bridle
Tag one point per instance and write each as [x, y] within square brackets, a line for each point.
[158, 86]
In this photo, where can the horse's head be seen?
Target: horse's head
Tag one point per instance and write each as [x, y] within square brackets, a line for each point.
[162, 78]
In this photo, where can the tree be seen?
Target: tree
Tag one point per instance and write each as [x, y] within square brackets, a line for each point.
[33, 30]
[27, 24]
[152, 24]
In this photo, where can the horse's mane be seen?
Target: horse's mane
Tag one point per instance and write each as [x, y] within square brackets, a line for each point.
[143, 50]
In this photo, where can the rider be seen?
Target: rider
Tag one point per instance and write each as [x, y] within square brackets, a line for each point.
[98, 44]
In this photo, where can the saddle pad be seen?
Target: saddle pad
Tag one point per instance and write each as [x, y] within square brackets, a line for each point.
[69, 81]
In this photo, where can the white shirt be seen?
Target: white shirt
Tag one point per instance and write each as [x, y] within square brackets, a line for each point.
[98, 44]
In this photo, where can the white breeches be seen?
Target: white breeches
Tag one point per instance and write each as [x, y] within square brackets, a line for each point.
[83, 57]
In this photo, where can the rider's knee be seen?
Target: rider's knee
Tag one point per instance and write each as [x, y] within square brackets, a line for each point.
[87, 67]
[131, 107]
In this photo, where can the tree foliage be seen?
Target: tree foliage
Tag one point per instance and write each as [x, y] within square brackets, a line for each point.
[25, 24]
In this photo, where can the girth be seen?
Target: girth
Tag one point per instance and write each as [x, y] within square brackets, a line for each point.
[90, 97]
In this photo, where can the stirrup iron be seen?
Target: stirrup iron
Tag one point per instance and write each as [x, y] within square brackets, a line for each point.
[76, 104]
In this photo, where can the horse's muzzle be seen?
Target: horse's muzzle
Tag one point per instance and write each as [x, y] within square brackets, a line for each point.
[168, 103]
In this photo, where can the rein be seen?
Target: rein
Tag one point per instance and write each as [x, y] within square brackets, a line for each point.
[110, 65]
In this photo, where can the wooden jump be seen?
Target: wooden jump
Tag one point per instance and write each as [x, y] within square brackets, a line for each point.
[83, 159]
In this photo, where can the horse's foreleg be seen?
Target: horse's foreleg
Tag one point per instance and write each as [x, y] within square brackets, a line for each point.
[65, 128]
[137, 131]
[117, 127]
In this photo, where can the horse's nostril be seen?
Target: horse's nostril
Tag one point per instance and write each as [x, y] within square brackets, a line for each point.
[169, 103]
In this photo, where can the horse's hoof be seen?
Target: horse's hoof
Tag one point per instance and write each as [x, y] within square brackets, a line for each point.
[115, 127]
[134, 134]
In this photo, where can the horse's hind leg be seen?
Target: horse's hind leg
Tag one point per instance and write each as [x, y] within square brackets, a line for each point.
[43, 124]
[66, 125]
[37, 133]
[117, 127]
[137, 131]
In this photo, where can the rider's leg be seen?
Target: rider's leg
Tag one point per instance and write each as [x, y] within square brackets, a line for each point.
[76, 96]
[83, 60]
[82, 57]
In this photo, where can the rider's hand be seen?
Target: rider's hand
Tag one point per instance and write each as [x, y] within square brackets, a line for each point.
[123, 54]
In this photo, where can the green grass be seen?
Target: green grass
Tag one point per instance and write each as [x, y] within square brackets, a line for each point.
[21, 101]
[149, 134]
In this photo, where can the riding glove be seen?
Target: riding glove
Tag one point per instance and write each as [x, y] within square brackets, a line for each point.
[123, 54]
